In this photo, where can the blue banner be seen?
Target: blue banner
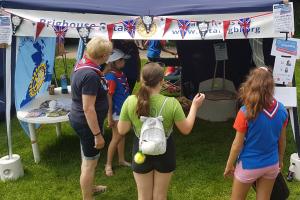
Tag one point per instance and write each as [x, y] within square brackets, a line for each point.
[34, 68]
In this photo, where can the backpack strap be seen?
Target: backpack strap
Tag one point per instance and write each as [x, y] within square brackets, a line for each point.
[159, 114]
[163, 105]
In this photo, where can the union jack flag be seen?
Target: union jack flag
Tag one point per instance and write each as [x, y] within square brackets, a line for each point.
[183, 25]
[130, 25]
[60, 32]
[245, 25]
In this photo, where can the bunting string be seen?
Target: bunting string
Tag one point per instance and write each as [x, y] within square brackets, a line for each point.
[130, 26]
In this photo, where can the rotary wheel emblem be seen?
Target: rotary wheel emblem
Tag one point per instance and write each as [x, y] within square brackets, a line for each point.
[142, 30]
[37, 79]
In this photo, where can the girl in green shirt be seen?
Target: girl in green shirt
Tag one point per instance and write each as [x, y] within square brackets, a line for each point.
[154, 174]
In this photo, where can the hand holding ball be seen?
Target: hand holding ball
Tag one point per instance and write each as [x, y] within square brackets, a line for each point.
[139, 158]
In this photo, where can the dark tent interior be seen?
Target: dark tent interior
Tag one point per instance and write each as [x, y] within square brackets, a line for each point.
[197, 59]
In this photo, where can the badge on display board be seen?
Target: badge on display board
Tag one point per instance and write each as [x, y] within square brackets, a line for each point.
[283, 15]
[221, 51]
[284, 70]
[283, 47]
[5, 30]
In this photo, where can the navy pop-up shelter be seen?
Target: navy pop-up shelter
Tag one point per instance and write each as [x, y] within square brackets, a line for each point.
[98, 14]
[144, 7]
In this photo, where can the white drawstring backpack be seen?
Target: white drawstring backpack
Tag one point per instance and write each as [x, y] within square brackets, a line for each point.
[152, 139]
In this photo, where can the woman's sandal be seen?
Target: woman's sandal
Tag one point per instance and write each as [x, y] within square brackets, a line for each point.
[98, 189]
[108, 171]
[125, 164]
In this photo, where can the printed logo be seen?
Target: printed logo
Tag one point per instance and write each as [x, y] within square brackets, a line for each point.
[141, 29]
[37, 80]
[203, 28]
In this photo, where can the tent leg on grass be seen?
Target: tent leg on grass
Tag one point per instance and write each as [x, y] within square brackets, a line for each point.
[10, 166]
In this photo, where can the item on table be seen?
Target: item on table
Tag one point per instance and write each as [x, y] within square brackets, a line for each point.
[45, 104]
[52, 105]
[51, 89]
[57, 113]
[64, 84]
[64, 104]
[37, 112]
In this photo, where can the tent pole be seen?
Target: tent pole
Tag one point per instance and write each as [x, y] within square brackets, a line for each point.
[296, 123]
[80, 50]
[8, 99]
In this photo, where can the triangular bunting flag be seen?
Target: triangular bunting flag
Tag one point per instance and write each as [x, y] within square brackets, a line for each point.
[203, 28]
[183, 25]
[168, 22]
[60, 32]
[16, 21]
[130, 25]
[226, 24]
[147, 22]
[39, 26]
[84, 33]
[245, 25]
[110, 30]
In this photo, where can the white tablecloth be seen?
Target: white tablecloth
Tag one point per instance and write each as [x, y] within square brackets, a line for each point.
[34, 104]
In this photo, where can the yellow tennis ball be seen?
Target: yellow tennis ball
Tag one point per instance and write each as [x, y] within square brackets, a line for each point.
[139, 158]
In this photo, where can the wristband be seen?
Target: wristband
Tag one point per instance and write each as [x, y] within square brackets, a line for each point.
[97, 134]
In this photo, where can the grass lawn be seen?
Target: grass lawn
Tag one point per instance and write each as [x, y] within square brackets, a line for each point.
[201, 158]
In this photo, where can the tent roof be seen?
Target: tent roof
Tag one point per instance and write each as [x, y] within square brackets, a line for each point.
[144, 7]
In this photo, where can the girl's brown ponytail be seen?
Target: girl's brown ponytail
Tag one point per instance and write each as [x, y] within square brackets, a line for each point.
[152, 74]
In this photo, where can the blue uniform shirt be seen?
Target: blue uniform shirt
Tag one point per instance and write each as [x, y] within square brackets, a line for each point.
[118, 88]
[261, 136]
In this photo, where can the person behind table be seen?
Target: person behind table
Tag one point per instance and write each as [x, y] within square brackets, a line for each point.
[89, 109]
[153, 176]
[154, 49]
[117, 93]
[259, 142]
[133, 64]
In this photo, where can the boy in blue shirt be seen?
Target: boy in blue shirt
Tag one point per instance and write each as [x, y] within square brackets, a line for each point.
[154, 49]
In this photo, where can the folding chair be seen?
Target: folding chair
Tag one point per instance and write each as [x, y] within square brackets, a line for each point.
[172, 80]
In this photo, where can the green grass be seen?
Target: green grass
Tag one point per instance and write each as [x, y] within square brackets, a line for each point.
[61, 67]
[201, 158]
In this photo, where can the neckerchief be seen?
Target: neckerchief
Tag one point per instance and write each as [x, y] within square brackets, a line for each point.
[86, 63]
[119, 75]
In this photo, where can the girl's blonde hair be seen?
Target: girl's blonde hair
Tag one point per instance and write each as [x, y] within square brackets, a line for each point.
[151, 75]
[256, 93]
[97, 47]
